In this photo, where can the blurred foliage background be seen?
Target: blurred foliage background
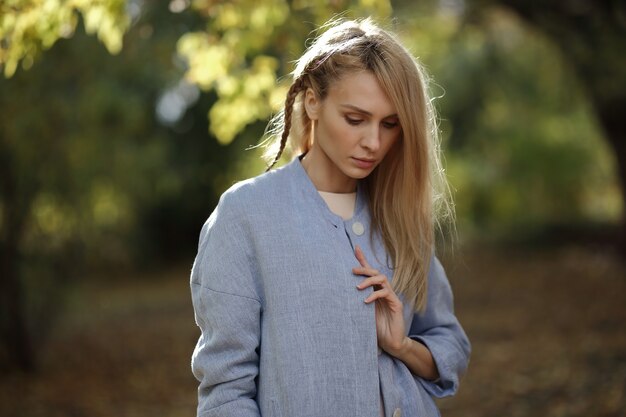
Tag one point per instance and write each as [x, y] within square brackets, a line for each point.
[121, 122]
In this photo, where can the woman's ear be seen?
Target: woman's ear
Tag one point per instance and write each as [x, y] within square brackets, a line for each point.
[312, 104]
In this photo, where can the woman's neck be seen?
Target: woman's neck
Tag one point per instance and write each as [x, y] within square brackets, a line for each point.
[325, 175]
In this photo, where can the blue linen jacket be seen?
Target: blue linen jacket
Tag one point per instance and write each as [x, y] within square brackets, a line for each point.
[285, 331]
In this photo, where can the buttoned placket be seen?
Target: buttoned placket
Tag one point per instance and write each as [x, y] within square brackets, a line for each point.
[353, 228]
[357, 229]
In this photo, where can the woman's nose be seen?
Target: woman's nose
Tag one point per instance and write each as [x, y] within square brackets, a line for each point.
[371, 139]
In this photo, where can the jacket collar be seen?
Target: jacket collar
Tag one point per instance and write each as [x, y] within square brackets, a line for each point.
[305, 189]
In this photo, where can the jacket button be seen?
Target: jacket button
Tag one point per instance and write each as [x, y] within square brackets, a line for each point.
[358, 228]
[397, 413]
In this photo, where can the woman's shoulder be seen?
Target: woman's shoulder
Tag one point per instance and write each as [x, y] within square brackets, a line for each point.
[250, 204]
[254, 192]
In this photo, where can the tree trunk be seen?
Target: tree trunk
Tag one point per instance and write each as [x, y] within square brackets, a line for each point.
[14, 328]
[16, 336]
[612, 118]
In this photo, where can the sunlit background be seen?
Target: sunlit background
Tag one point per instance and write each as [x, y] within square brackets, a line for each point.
[122, 122]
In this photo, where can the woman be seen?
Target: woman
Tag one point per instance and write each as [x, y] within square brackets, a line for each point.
[315, 284]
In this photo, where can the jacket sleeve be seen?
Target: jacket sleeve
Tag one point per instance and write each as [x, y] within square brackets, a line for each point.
[227, 310]
[438, 328]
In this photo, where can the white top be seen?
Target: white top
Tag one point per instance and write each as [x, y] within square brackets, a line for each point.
[342, 204]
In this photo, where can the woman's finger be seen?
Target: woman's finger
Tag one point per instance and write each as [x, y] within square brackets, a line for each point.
[378, 294]
[370, 272]
[380, 280]
[361, 257]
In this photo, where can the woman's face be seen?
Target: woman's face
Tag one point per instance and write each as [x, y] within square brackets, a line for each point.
[355, 126]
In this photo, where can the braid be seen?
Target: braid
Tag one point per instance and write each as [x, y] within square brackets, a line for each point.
[294, 90]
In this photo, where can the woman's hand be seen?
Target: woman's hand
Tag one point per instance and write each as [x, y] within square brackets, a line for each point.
[390, 327]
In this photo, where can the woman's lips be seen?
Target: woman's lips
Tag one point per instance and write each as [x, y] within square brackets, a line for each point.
[364, 163]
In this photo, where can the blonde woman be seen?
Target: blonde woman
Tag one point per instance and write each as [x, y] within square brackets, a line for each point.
[315, 285]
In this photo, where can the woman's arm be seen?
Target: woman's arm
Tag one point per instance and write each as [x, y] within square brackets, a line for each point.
[440, 331]
[227, 310]
[417, 358]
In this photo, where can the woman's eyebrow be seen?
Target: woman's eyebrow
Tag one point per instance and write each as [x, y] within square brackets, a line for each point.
[363, 111]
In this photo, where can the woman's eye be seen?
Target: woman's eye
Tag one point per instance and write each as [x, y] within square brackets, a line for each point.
[390, 125]
[352, 121]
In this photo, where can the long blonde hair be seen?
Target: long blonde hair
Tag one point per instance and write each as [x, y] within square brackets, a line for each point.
[408, 191]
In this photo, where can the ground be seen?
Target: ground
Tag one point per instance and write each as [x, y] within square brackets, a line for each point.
[548, 330]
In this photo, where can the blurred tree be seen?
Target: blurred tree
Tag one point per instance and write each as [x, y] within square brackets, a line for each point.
[28, 27]
[82, 156]
[592, 38]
